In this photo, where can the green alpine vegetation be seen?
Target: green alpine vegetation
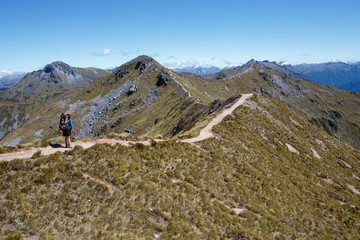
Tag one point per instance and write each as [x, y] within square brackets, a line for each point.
[270, 174]
[142, 99]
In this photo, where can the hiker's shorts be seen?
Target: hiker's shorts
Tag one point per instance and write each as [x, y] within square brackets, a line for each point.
[67, 132]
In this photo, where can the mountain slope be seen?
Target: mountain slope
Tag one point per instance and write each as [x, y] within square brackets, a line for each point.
[335, 111]
[54, 76]
[143, 99]
[335, 74]
[287, 69]
[270, 174]
[140, 98]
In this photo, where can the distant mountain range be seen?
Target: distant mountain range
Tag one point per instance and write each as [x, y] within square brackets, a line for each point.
[8, 80]
[345, 76]
[198, 70]
[340, 75]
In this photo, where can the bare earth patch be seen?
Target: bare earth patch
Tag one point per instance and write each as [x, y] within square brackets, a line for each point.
[346, 164]
[109, 186]
[292, 149]
[328, 180]
[239, 210]
[354, 189]
[296, 123]
[316, 153]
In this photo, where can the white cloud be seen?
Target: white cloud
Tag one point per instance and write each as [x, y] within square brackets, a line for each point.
[105, 52]
[4, 72]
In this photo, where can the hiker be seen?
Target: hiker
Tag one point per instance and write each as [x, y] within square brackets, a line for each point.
[67, 127]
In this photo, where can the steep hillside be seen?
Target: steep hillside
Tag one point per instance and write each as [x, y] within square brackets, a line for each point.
[335, 74]
[335, 111]
[270, 174]
[140, 98]
[54, 76]
[287, 69]
[143, 99]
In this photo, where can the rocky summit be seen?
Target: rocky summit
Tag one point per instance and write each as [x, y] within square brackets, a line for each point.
[54, 76]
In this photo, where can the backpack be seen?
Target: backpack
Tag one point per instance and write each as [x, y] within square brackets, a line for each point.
[64, 121]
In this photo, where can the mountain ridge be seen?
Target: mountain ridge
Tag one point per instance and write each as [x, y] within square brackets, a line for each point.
[142, 98]
[345, 76]
[270, 174]
[54, 76]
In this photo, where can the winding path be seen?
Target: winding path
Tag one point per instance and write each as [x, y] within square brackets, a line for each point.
[205, 133]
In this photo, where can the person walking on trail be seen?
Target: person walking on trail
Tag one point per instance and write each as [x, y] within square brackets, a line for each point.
[67, 127]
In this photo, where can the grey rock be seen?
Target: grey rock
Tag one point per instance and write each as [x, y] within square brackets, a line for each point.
[121, 73]
[100, 104]
[129, 130]
[38, 133]
[74, 106]
[267, 92]
[263, 73]
[61, 104]
[132, 90]
[163, 78]
[298, 87]
[13, 142]
[118, 106]
[132, 104]
[117, 122]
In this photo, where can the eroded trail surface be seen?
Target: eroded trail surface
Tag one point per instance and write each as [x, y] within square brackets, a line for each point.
[205, 133]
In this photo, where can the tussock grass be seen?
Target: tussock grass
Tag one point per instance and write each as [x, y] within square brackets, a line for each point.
[178, 190]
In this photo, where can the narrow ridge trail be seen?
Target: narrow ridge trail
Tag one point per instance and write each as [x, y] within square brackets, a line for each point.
[205, 133]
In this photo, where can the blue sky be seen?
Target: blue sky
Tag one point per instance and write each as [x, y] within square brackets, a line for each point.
[108, 33]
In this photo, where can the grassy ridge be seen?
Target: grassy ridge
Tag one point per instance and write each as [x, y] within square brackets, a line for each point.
[175, 190]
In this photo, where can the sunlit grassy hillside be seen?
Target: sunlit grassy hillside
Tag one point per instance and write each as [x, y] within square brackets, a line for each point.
[270, 175]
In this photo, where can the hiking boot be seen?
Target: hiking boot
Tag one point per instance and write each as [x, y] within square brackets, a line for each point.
[68, 146]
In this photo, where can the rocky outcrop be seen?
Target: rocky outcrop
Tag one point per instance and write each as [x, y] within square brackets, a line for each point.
[132, 90]
[122, 72]
[146, 63]
[163, 78]
[129, 130]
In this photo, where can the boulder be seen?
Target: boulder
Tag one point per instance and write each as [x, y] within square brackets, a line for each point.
[132, 89]
[263, 73]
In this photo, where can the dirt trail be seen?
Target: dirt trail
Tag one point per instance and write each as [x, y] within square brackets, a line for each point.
[204, 134]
